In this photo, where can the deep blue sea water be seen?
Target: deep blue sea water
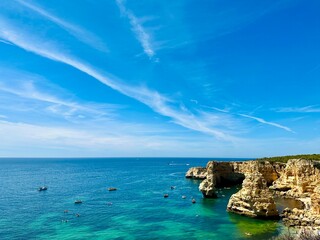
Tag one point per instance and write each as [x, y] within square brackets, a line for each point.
[138, 209]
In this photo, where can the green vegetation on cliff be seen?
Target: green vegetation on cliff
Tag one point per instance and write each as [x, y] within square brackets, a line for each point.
[284, 159]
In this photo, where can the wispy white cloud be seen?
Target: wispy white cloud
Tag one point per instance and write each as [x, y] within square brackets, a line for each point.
[141, 34]
[41, 140]
[51, 141]
[3, 41]
[55, 100]
[194, 101]
[217, 109]
[260, 120]
[78, 32]
[306, 109]
[157, 102]
[39, 136]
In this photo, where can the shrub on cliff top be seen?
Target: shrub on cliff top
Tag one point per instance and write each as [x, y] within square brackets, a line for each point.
[284, 159]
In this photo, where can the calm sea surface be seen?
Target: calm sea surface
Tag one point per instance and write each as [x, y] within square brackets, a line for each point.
[137, 210]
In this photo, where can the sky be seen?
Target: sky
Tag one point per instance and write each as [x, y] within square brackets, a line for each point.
[160, 78]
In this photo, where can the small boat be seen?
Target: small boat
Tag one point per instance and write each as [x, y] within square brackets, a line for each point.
[193, 200]
[77, 201]
[112, 189]
[166, 195]
[183, 197]
[172, 187]
[42, 188]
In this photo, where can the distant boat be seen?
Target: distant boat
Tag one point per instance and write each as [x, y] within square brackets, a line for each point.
[166, 195]
[112, 189]
[178, 164]
[42, 188]
[193, 200]
[77, 201]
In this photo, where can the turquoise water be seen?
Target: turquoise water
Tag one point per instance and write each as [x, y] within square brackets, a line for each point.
[138, 209]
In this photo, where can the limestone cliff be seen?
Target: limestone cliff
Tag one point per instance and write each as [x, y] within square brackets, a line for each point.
[315, 201]
[254, 199]
[298, 179]
[231, 173]
[208, 187]
[197, 173]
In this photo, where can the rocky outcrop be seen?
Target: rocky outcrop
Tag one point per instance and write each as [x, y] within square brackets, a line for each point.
[197, 173]
[309, 216]
[208, 187]
[254, 199]
[300, 217]
[221, 174]
[298, 179]
[315, 201]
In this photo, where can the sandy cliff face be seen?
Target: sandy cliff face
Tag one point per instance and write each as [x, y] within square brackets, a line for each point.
[254, 199]
[298, 179]
[219, 174]
[315, 201]
[208, 187]
[231, 173]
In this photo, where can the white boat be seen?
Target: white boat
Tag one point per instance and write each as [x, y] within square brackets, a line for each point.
[42, 188]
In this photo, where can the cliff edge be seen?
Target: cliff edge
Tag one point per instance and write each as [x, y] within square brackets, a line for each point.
[262, 181]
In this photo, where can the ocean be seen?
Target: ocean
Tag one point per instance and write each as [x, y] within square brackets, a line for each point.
[136, 210]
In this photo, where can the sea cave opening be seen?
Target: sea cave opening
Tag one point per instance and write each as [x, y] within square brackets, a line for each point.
[230, 180]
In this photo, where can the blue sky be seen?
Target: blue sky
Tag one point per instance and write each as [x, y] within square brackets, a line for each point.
[209, 78]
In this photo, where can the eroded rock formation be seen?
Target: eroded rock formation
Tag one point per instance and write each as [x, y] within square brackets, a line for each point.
[300, 217]
[197, 173]
[254, 199]
[231, 173]
[315, 201]
[298, 179]
[208, 187]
